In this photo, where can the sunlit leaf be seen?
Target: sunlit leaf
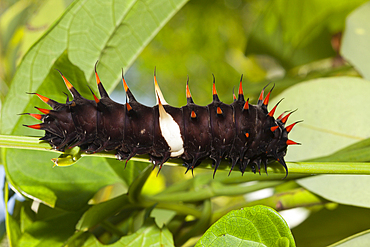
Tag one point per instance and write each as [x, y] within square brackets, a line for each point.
[113, 32]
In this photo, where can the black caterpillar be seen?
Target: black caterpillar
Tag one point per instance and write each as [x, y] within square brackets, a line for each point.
[244, 133]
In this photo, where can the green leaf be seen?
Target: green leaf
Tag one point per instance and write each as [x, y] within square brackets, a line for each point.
[344, 189]
[358, 152]
[360, 239]
[65, 187]
[113, 32]
[162, 216]
[356, 38]
[46, 14]
[148, 235]
[49, 227]
[328, 108]
[253, 226]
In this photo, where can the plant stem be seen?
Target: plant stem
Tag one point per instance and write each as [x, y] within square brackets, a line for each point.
[294, 198]
[213, 190]
[274, 170]
[111, 228]
[24, 142]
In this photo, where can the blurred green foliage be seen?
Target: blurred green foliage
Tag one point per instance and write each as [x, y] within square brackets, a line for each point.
[267, 41]
[21, 24]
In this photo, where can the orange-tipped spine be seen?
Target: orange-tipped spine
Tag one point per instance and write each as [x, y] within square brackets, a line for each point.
[214, 92]
[189, 99]
[290, 142]
[43, 98]
[246, 105]
[290, 127]
[272, 112]
[284, 119]
[45, 111]
[35, 126]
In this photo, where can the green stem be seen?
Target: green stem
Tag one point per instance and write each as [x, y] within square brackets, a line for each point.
[134, 191]
[213, 190]
[274, 170]
[294, 198]
[24, 142]
[181, 209]
[329, 167]
[75, 236]
[200, 227]
[111, 228]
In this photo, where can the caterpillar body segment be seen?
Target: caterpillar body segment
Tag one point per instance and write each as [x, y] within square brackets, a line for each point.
[245, 134]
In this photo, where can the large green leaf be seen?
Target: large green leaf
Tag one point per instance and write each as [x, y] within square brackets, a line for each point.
[356, 39]
[65, 187]
[328, 107]
[113, 32]
[253, 226]
[344, 189]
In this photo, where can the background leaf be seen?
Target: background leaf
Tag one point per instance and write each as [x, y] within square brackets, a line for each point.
[328, 107]
[356, 38]
[342, 189]
[298, 32]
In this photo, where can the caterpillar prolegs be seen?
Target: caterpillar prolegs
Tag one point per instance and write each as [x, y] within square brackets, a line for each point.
[241, 132]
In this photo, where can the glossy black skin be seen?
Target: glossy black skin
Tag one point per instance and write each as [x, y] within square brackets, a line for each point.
[238, 134]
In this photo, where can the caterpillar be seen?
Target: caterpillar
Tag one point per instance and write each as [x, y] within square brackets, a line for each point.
[241, 132]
